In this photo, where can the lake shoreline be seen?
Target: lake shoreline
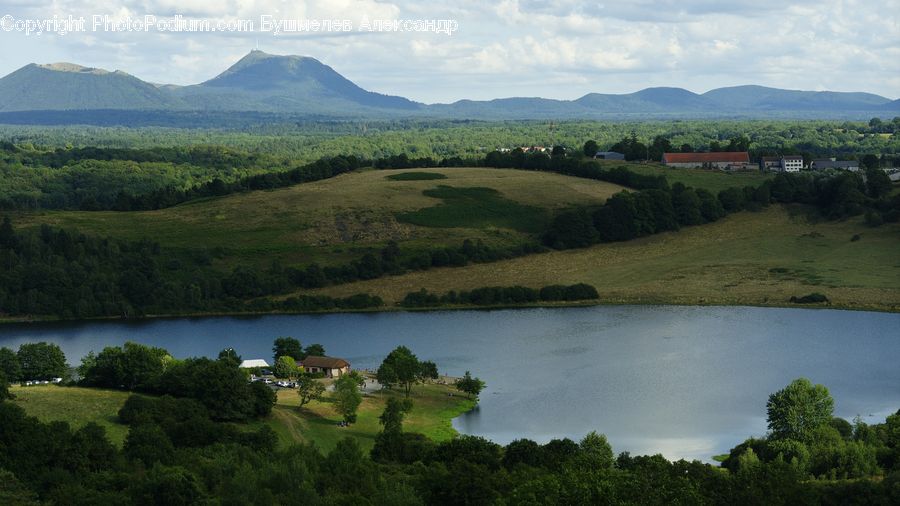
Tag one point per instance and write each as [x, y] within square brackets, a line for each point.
[890, 309]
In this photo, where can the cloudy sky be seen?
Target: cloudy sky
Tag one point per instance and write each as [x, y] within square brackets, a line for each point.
[556, 49]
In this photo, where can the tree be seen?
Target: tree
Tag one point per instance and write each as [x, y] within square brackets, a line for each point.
[870, 161]
[659, 146]
[148, 443]
[9, 365]
[590, 149]
[4, 388]
[229, 356]
[42, 361]
[797, 410]
[402, 367]
[595, 452]
[143, 365]
[7, 233]
[469, 385]
[347, 397]
[429, 370]
[309, 389]
[286, 367]
[132, 367]
[314, 350]
[287, 346]
[878, 183]
[389, 442]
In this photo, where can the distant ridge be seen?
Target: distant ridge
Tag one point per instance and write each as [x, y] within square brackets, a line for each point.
[302, 86]
[66, 86]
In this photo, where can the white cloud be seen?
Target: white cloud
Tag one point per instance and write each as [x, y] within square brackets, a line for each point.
[557, 49]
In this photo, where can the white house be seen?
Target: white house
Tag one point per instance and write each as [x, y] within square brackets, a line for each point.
[791, 163]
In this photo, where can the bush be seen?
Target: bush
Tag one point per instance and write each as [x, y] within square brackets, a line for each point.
[812, 298]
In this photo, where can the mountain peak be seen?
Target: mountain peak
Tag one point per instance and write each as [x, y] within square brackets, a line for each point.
[258, 69]
[74, 68]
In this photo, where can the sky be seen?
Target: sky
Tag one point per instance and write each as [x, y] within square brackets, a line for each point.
[555, 49]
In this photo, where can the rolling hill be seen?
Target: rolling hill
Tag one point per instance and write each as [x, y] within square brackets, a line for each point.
[305, 87]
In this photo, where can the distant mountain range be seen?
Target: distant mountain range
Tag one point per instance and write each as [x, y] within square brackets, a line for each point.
[299, 86]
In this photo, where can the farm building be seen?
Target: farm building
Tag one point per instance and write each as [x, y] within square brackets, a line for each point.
[791, 163]
[726, 160]
[330, 366]
[609, 155]
[770, 163]
[851, 165]
[787, 163]
[254, 363]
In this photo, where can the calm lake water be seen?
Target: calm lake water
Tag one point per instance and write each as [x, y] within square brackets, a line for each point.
[687, 382]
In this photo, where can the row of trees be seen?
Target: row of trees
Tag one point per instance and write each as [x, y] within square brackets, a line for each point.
[634, 149]
[33, 361]
[627, 215]
[391, 260]
[497, 295]
[219, 384]
[55, 272]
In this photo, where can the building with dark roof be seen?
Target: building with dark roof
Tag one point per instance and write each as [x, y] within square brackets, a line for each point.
[609, 155]
[851, 165]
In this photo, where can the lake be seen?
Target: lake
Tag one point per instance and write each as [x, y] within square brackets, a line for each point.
[687, 382]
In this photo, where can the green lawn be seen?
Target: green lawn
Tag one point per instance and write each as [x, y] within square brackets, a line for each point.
[77, 406]
[318, 422]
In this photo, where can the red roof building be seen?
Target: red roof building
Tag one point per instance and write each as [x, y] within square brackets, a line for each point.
[726, 160]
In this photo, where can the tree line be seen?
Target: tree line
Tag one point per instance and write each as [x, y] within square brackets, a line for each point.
[628, 215]
[55, 272]
[499, 295]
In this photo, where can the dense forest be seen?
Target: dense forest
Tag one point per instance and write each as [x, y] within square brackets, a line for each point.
[116, 168]
[192, 446]
[306, 141]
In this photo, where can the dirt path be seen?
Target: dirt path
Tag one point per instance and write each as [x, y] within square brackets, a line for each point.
[291, 421]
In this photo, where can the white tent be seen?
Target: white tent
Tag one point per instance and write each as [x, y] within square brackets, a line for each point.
[257, 362]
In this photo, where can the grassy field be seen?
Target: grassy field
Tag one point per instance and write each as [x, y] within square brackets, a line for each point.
[77, 406]
[317, 422]
[747, 258]
[331, 221]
